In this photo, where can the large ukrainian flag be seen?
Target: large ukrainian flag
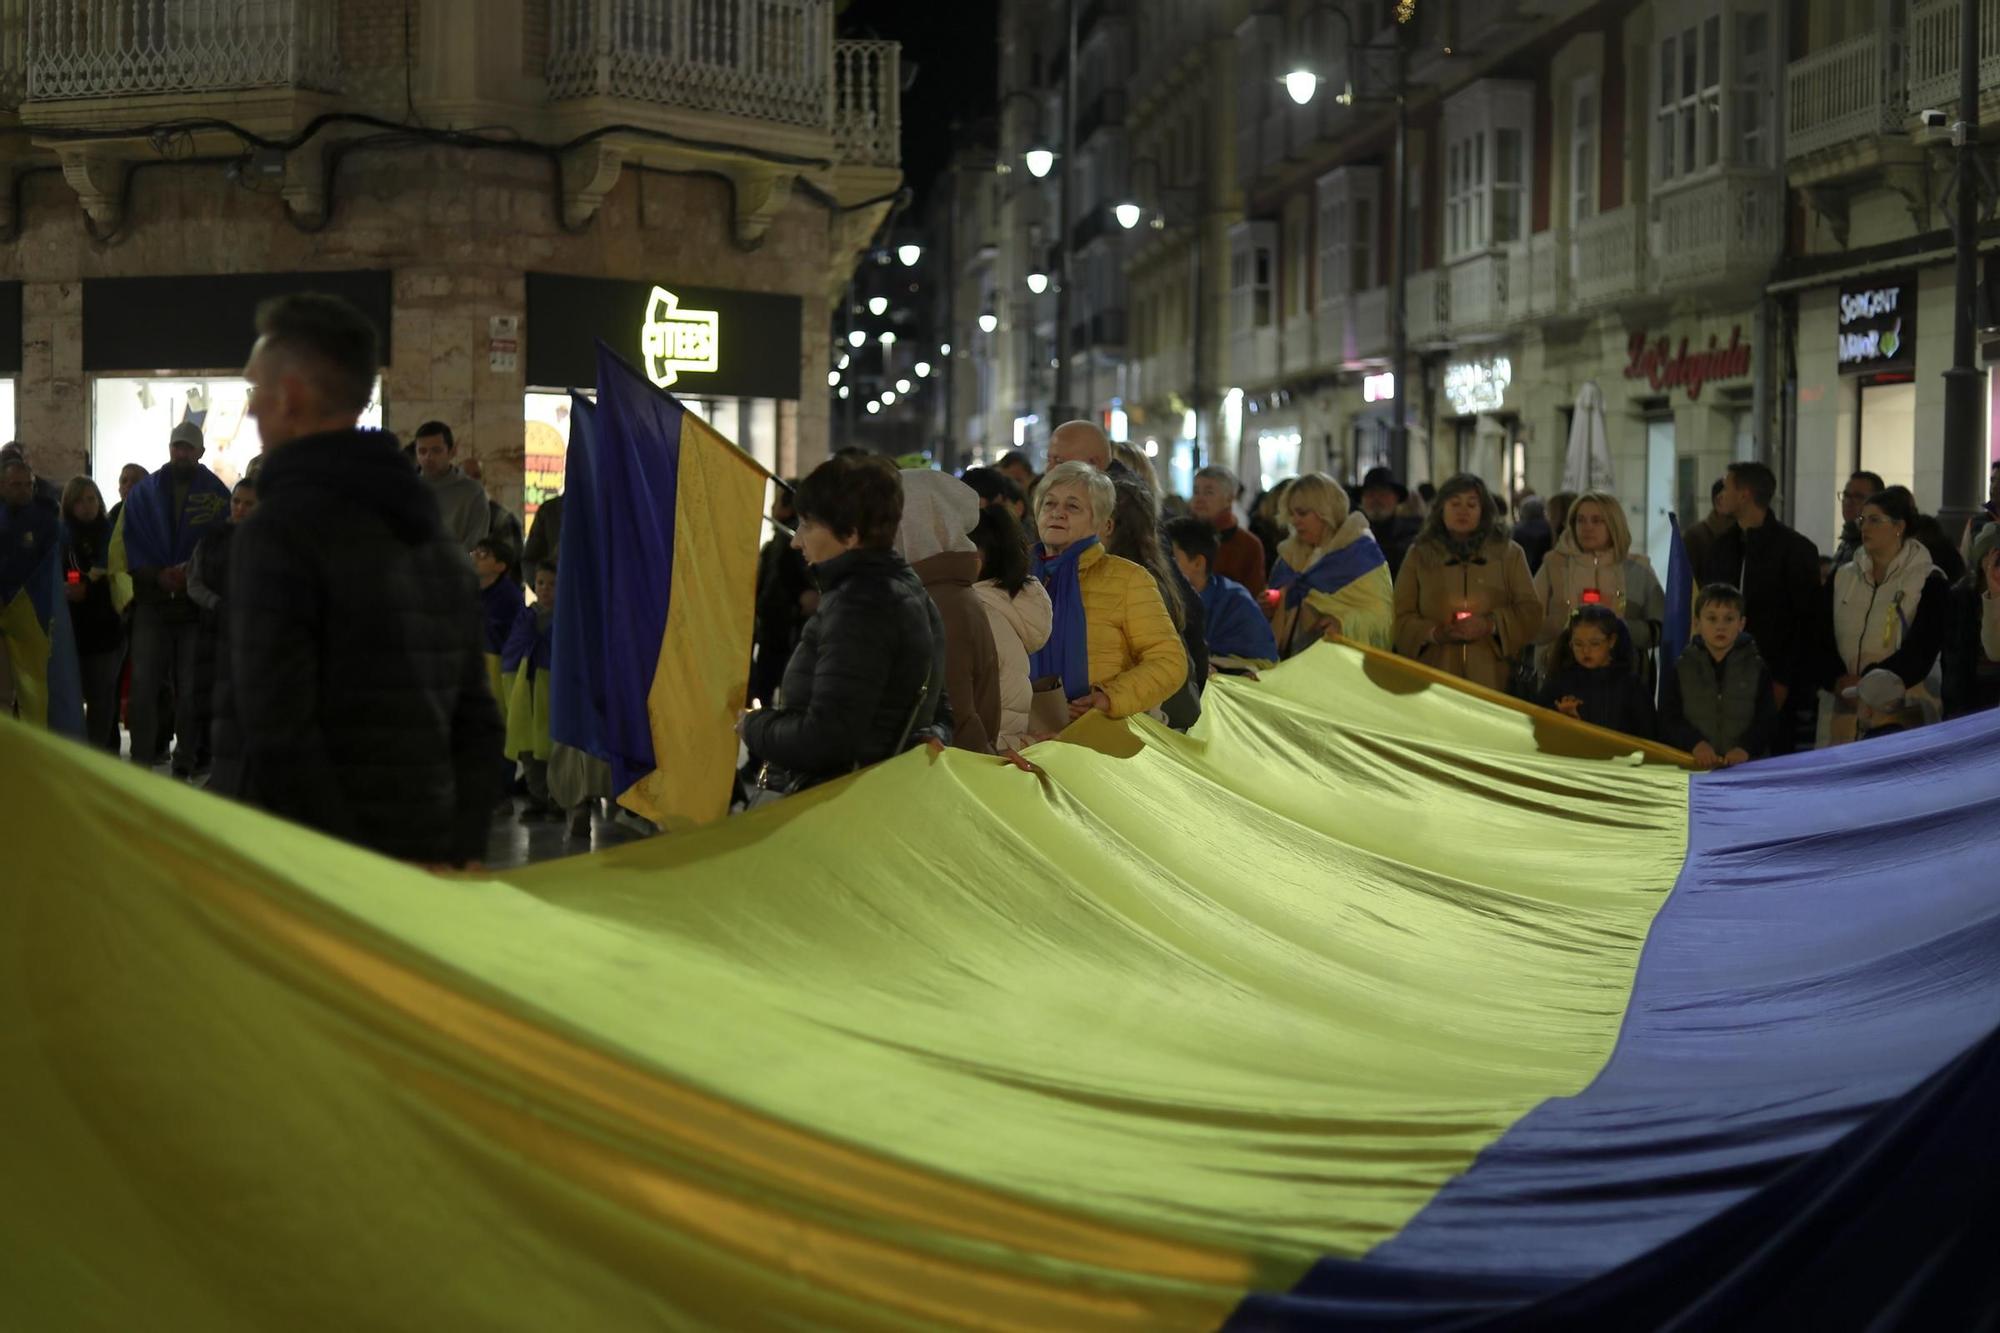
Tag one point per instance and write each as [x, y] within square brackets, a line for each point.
[655, 597]
[1372, 1003]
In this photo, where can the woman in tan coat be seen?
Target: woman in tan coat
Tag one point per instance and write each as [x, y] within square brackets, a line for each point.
[1465, 603]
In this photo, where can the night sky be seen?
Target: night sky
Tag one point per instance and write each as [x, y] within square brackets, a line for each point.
[952, 43]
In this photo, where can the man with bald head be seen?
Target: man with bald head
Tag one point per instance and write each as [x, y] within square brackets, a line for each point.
[1083, 442]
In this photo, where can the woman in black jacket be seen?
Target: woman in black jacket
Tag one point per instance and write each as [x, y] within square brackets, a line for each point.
[100, 633]
[869, 669]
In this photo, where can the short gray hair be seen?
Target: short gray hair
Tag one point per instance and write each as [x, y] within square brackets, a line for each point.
[1217, 472]
[1098, 487]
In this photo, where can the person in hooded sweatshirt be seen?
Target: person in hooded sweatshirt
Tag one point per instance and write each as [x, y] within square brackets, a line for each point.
[462, 504]
[1019, 613]
[353, 698]
[935, 537]
[1889, 607]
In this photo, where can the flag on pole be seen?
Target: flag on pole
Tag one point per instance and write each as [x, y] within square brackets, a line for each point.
[1678, 627]
[656, 585]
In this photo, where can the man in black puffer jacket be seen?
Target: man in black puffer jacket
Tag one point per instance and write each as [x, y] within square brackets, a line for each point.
[354, 698]
[868, 673]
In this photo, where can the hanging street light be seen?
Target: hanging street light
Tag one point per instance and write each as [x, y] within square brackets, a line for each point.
[988, 321]
[888, 398]
[1039, 160]
[1038, 282]
[1301, 83]
[832, 378]
[1128, 215]
[887, 339]
[843, 391]
[873, 407]
[909, 253]
[945, 350]
[902, 386]
[877, 304]
[855, 337]
[844, 361]
[922, 368]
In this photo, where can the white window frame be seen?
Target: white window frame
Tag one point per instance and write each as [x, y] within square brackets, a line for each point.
[1484, 206]
[1348, 201]
[1585, 117]
[1702, 96]
[1253, 256]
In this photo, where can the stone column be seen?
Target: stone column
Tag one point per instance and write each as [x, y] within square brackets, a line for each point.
[52, 412]
[442, 366]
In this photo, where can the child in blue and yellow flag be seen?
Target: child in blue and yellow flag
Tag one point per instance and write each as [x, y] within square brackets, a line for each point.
[524, 664]
[500, 603]
[38, 673]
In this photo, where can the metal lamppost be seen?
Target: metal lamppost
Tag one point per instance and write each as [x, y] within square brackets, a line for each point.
[1129, 214]
[1061, 409]
[1301, 83]
[1963, 439]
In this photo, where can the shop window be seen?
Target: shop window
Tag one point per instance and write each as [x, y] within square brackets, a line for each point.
[750, 423]
[1277, 456]
[1703, 47]
[1488, 164]
[132, 416]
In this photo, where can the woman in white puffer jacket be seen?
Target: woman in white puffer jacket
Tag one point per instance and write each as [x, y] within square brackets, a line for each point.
[1018, 608]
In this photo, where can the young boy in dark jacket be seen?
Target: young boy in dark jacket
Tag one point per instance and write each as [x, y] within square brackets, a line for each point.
[1717, 703]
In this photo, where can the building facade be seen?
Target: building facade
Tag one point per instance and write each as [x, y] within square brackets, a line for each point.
[499, 184]
[1595, 197]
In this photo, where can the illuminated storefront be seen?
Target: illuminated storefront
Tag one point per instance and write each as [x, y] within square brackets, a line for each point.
[160, 351]
[10, 354]
[734, 358]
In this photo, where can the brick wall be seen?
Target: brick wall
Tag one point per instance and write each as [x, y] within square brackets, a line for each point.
[371, 32]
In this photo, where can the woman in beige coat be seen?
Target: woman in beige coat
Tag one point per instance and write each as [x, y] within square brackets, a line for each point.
[1465, 603]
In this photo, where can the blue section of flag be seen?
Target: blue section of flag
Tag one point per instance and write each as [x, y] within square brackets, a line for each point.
[576, 668]
[1678, 627]
[1801, 984]
[156, 537]
[638, 472]
[65, 672]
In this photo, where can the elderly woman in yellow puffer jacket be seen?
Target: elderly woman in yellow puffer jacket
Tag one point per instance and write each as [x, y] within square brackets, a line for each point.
[1333, 576]
[1111, 643]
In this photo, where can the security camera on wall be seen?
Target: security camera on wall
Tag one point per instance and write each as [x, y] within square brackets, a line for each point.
[1933, 118]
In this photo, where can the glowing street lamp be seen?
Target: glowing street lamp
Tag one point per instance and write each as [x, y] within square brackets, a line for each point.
[922, 368]
[832, 378]
[888, 398]
[945, 350]
[843, 391]
[988, 322]
[1040, 161]
[902, 386]
[887, 339]
[873, 407]
[1301, 84]
[1038, 282]
[855, 337]
[909, 253]
[844, 361]
[1128, 215]
[877, 304]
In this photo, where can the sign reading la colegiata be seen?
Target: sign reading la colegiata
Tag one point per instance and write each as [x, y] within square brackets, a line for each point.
[1664, 367]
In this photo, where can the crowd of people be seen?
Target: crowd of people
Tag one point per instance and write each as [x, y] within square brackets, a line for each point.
[1104, 594]
[347, 638]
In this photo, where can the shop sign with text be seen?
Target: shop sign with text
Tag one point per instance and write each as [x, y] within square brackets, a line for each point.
[1665, 365]
[1878, 325]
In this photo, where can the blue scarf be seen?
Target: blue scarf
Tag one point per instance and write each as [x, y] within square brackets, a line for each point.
[157, 539]
[528, 643]
[502, 603]
[1331, 572]
[1067, 653]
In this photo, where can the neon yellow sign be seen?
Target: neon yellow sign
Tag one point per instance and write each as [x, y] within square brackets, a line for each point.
[674, 340]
